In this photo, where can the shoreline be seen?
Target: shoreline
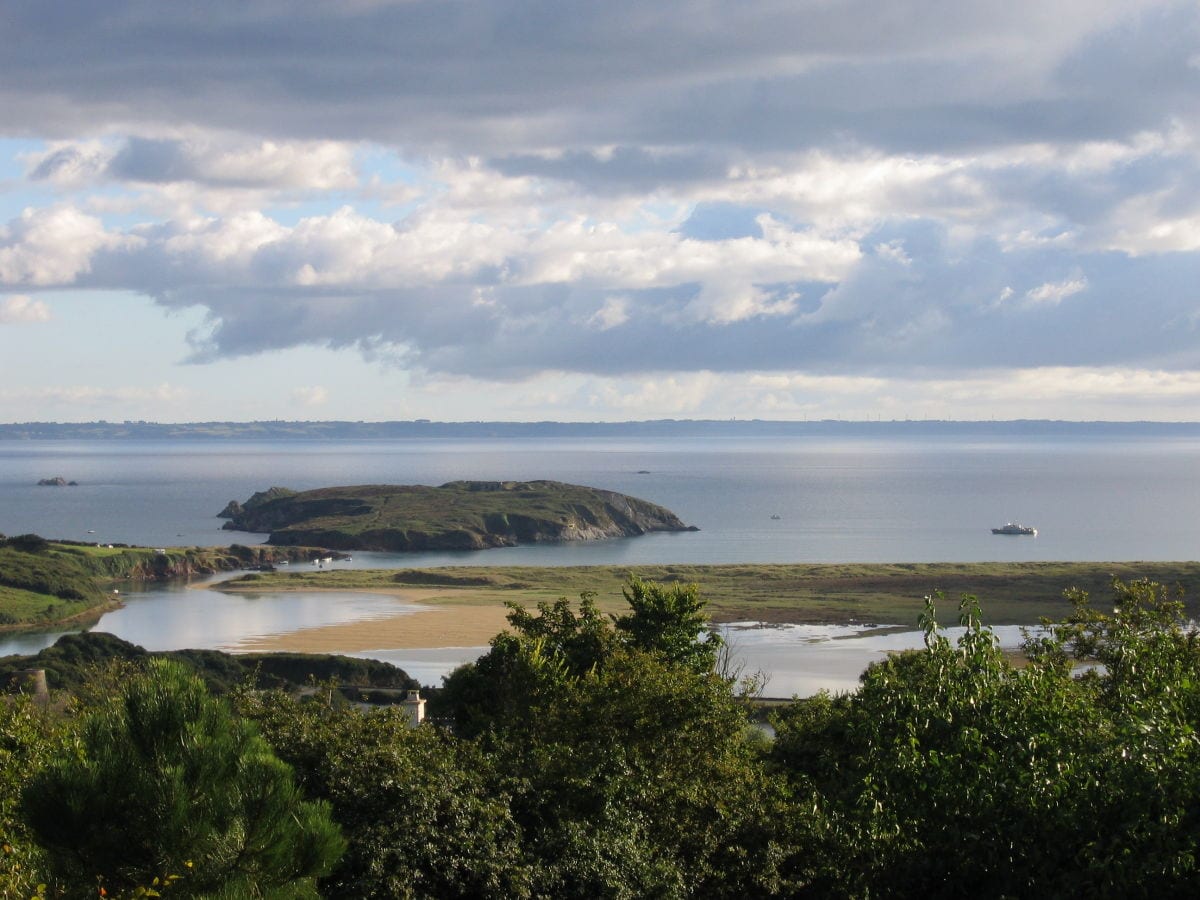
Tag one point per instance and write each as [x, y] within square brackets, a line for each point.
[432, 626]
[430, 629]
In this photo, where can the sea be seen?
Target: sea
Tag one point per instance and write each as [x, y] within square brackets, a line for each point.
[759, 499]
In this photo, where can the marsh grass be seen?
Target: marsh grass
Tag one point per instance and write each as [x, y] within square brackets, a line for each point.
[1010, 593]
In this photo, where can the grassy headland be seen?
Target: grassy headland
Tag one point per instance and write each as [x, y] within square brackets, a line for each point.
[44, 583]
[1010, 593]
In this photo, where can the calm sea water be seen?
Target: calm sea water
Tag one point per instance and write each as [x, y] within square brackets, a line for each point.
[870, 500]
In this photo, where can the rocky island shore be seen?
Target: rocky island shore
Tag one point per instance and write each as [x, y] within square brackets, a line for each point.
[460, 515]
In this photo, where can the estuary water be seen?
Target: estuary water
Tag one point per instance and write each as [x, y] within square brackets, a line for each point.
[797, 660]
[756, 500]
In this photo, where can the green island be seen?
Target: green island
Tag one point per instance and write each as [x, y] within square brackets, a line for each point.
[460, 515]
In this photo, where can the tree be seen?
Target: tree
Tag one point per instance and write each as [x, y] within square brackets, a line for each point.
[165, 780]
[561, 643]
[626, 758]
[638, 779]
[414, 804]
[669, 622]
[950, 769]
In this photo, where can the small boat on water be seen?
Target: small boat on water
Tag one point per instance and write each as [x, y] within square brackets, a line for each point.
[1014, 528]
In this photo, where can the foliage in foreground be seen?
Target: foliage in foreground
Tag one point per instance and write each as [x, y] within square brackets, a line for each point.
[595, 756]
[951, 767]
[414, 804]
[626, 759]
[163, 779]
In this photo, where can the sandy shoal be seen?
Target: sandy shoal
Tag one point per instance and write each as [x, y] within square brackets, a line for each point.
[457, 625]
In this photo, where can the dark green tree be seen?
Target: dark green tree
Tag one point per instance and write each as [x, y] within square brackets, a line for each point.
[165, 780]
[538, 655]
[639, 780]
[414, 804]
[951, 770]
[628, 761]
[668, 621]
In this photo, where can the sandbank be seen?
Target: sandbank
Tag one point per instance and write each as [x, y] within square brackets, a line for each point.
[430, 627]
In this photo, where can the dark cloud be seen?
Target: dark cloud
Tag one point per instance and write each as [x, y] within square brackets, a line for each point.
[154, 161]
[622, 170]
[501, 76]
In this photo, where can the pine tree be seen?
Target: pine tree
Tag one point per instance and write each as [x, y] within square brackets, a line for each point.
[167, 782]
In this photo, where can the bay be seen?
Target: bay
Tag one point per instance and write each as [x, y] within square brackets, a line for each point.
[838, 500]
[907, 499]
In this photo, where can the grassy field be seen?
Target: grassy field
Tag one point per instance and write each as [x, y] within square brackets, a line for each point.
[46, 586]
[1010, 593]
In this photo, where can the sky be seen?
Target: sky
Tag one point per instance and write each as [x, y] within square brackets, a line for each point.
[531, 210]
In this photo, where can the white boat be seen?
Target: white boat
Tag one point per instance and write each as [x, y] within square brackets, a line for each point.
[1014, 528]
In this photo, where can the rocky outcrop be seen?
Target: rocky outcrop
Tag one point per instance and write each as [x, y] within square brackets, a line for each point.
[460, 515]
[233, 509]
[56, 481]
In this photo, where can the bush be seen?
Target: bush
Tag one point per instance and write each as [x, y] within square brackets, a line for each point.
[28, 543]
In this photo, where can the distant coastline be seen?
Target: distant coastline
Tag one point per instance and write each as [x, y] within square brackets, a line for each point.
[657, 428]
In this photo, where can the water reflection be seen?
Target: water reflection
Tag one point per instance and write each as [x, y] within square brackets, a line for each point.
[801, 660]
[798, 660]
[177, 617]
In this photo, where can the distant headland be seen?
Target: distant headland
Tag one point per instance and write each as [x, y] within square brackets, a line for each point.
[277, 430]
[460, 515]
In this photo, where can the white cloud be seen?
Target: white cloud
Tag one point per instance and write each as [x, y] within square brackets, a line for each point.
[1054, 292]
[54, 245]
[809, 189]
[19, 309]
[613, 313]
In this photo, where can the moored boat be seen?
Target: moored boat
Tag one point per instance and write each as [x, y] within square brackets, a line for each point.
[1014, 528]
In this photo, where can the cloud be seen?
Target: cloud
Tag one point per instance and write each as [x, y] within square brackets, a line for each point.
[314, 395]
[449, 291]
[614, 312]
[209, 160]
[19, 309]
[157, 396]
[670, 194]
[519, 79]
[54, 245]
[1053, 292]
